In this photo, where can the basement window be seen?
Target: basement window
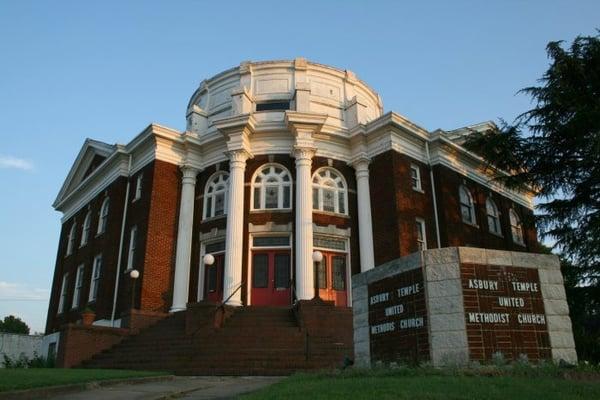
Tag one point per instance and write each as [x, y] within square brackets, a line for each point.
[273, 106]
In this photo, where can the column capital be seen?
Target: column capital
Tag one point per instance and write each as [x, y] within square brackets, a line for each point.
[303, 153]
[360, 163]
[238, 156]
[189, 173]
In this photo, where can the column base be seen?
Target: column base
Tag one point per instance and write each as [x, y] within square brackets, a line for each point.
[234, 303]
[176, 309]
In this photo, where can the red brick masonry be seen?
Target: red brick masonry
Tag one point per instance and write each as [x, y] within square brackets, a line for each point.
[398, 318]
[519, 324]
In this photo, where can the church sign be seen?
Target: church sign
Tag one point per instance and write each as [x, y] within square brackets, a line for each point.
[456, 305]
[398, 317]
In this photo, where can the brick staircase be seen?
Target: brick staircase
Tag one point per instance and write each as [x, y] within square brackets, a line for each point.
[250, 341]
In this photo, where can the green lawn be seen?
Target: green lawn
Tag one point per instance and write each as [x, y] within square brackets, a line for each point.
[428, 387]
[16, 379]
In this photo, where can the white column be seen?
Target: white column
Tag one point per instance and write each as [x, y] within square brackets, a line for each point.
[235, 223]
[184, 239]
[365, 229]
[304, 225]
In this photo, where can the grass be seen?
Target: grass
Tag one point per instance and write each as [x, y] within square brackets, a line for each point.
[27, 378]
[429, 384]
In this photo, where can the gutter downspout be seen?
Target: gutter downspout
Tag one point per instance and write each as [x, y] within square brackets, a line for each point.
[435, 209]
[118, 272]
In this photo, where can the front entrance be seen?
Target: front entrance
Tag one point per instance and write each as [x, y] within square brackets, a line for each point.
[213, 278]
[331, 278]
[271, 278]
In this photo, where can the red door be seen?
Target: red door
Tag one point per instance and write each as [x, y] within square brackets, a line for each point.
[213, 280]
[271, 278]
[331, 278]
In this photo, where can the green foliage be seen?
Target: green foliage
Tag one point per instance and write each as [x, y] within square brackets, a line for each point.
[17, 379]
[23, 361]
[555, 149]
[12, 324]
[518, 380]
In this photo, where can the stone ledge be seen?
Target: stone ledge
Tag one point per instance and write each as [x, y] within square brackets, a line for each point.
[442, 272]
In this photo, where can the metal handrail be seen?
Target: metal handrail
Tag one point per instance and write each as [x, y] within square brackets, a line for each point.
[222, 304]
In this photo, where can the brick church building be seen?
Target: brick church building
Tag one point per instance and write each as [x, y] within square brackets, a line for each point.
[282, 163]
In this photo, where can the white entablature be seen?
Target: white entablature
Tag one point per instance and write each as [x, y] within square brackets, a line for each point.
[352, 128]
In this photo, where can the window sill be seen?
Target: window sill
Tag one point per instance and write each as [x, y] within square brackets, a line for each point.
[418, 190]
[472, 225]
[218, 217]
[333, 214]
[271, 210]
[496, 234]
[135, 199]
[99, 234]
[522, 244]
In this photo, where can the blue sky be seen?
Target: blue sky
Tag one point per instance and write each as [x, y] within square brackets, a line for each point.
[105, 70]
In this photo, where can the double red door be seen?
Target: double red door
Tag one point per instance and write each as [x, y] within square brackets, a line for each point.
[271, 278]
[331, 278]
[213, 280]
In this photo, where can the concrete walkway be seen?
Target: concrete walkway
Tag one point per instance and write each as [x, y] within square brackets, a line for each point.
[190, 388]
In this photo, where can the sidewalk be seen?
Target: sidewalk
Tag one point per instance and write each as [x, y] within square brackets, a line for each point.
[190, 388]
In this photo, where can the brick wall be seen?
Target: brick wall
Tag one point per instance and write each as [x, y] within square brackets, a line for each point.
[156, 286]
[395, 206]
[106, 243]
[78, 343]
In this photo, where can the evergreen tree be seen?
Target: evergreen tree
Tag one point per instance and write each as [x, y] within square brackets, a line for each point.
[555, 149]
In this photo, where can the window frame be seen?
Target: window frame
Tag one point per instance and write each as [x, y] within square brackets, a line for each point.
[282, 186]
[103, 216]
[76, 301]
[133, 241]
[85, 230]
[138, 187]
[71, 239]
[321, 186]
[490, 205]
[421, 231]
[214, 180]
[470, 205]
[62, 300]
[516, 224]
[95, 278]
[419, 185]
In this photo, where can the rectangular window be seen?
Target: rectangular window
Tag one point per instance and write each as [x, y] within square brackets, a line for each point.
[315, 197]
[328, 200]
[339, 273]
[260, 271]
[273, 106]
[78, 286]
[214, 247]
[415, 176]
[138, 187]
[95, 282]
[256, 198]
[212, 278]
[272, 196]
[329, 243]
[421, 234]
[63, 293]
[282, 271]
[322, 274]
[219, 204]
[132, 246]
[270, 241]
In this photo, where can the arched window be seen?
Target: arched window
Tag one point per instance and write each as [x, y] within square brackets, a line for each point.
[85, 232]
[329, 191]
[493, 217]
[71, 238]
[516, 228]
[467, 207]
[271, 188]
[103, 219]
[215, 195]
